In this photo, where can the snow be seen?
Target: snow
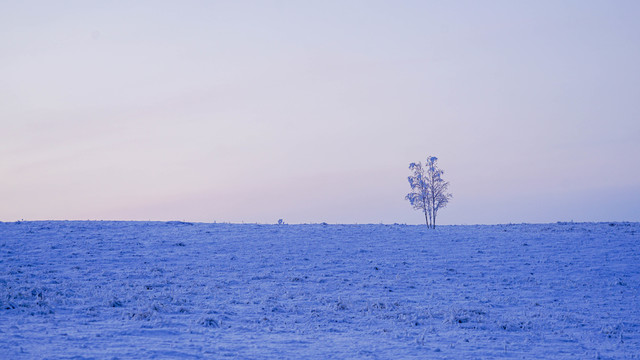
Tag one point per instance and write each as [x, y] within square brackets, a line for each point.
[98, 289]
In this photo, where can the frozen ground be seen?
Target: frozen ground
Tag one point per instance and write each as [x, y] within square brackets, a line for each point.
[163, 290]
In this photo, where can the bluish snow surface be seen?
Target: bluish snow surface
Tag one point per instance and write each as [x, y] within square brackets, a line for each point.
[165, 290]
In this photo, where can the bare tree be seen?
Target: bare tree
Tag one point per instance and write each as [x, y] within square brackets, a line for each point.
[419, 196]
[438, 188]
[429, 192]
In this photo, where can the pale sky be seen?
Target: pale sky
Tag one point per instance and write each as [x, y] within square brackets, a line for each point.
[311, 111]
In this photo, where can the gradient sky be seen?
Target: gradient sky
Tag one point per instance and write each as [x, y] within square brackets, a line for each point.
[312, 111]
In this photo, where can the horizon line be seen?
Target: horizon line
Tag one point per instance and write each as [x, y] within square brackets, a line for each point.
[318, 223]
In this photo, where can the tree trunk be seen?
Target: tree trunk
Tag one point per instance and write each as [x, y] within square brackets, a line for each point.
[425, 208]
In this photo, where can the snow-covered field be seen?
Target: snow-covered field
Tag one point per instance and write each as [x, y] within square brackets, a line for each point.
[154, 289]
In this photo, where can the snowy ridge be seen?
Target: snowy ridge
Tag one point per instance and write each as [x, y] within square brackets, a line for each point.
[102, 289]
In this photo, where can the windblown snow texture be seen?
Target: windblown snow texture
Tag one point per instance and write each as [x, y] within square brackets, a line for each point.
[151, 289]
